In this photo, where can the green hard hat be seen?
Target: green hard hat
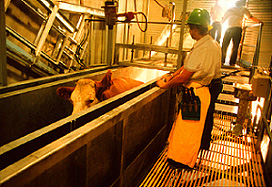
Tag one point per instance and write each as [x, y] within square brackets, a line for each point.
[199, 17]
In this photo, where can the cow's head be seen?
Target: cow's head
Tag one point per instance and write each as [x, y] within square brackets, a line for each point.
[86, 93]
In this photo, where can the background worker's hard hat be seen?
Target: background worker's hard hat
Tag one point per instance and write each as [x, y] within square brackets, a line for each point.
[240, 3]
[199, 17]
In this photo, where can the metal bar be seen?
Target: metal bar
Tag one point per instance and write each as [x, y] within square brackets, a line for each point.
[124, 34]
[149, 22]
[147, 15]
[256, 53]
[180, 57]
[258, 45]
[46, 30]
[251, 166]
[127, 42]
[64, 43]
[241, 44]
[253, 25]
[231, 170]
[7, 2]
[151, 47]
[91, 49]
[146, 66]
[110, 47]
[48, 4]
[201, 169]
[243, 163]
[222, 166]
[38, 36]
[163, 170]
[228, 152]
[25, 58]
[209, 164]
[216, 163]
[259, 166]
[236, 159]
[166, 178]
[179, 179]
[153, 170]
[81, 9]
[194, 178]
[171, 33]
[41, 15]
[76, 38]
[247, 168]
[165, 57]
[254, 162]
[3, 58]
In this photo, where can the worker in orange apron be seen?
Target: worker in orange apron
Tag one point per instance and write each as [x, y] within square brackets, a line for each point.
[201, 66]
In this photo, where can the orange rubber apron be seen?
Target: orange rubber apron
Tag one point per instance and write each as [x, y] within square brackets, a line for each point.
[185, 136]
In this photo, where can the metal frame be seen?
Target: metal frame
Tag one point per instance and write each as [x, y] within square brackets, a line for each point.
[69, 33]
[257, 46]
[181, 52]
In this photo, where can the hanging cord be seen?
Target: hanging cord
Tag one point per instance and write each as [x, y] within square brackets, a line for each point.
[136, 14]
[159, 3]
[80, 47]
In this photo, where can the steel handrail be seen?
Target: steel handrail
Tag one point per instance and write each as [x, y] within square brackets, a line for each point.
[257, 46]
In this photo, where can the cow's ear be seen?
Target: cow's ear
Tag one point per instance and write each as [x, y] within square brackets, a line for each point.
[65, 92]
[103, 84]
[106, 80]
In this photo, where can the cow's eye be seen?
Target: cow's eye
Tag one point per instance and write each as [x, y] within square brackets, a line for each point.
[90, 101]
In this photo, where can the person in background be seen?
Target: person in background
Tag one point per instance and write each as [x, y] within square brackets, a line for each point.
[234, 18]
[216, 17]
[201, 66]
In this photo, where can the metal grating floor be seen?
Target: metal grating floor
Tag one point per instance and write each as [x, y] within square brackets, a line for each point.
[231, 161]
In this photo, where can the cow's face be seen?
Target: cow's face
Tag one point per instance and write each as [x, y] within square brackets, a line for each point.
[86, 92]
[83, 95]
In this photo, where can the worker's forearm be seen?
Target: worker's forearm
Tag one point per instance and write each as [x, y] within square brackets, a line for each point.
[256, 20]
[178, 71]
[177, 80]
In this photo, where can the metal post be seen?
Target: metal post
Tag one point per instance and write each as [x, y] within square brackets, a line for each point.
[3, 59]
[91, 45]
[128, 32]
[165, 55]
[124, 35]
[110, 47]
[147, 14]
[150, 52]
[132, 50]
[258, 45]
[179, 62]
[6, 2]
[257, 52]
[241, 44]
[46, 30]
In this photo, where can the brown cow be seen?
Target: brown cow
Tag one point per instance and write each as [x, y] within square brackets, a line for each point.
[88, 92]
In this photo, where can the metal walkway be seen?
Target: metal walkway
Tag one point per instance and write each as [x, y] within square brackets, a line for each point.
[231, 161]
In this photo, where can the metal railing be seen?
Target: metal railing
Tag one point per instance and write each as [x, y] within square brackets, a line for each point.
[255, 60]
